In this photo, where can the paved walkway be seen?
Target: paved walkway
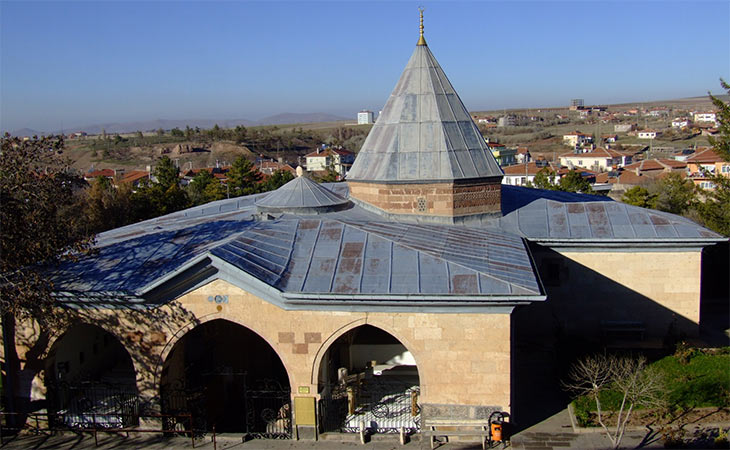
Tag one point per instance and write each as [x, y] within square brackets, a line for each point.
[555, 432]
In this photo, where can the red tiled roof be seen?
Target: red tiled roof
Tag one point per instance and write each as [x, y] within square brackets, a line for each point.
[134, 175]
[532, 169]
[657, 164]
[99, 173]
[706, 155]
[598, 152]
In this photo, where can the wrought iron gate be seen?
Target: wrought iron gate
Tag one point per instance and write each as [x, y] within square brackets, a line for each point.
[381, 406]
[93, 404]
[263, 409]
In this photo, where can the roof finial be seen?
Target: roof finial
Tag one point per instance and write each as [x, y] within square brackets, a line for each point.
[421, 39]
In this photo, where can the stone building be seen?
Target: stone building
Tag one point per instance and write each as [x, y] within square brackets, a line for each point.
[376, 302]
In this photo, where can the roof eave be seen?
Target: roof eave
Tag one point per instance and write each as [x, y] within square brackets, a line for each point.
[628, 243]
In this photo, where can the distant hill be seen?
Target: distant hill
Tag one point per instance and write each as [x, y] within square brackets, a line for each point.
[289, 118]
[168, 124]
[26, 132]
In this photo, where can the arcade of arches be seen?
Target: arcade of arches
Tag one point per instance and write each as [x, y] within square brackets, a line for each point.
[230, 355]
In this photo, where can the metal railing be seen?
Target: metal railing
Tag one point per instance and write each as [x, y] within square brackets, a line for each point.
[95, 423]
[381, 407]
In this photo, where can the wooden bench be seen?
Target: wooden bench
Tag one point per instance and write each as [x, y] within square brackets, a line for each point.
[437, 427]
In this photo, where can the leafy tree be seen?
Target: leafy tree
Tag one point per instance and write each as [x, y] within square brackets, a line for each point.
[243, 178]
[160, 132]
[188, 132]
[278, 179]
[197, 187]
[41, 225]
[639, 196]
[674, 194]
[176, 132]
[574, 182]
[107, 206]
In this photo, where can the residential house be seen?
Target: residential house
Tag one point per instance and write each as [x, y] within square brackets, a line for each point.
[600, 159]
[680, 122]
[658, 112]
[324, 158]
[523, 155]
[647, 134]
[524, 173]
[609, 138]
[705, 161]
[134, 177]
[106, 173]
[271, 166]
[705, 117]
[505, 156]
[577, 139]
[640, 173]
[623, 127]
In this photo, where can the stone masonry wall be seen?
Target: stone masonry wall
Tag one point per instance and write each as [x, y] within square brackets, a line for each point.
[661, 289]
[462, 359]
[440, 199]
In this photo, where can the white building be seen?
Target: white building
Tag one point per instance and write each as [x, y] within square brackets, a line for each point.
[506, 121]
[600, 159]
[646, 134]
[365, 117]
[680, 122]
[705, 117]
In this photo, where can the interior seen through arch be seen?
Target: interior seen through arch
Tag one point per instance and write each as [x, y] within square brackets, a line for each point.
[89, 371]
[367, 376]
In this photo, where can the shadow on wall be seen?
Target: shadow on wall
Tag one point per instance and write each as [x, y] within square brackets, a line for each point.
[585, 312]
[715, 295]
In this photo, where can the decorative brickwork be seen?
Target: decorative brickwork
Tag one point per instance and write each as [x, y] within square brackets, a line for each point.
[434, 199]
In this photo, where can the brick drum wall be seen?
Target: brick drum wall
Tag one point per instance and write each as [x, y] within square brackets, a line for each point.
[441, 199]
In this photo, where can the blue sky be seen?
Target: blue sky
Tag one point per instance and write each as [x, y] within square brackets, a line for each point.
[67, 64]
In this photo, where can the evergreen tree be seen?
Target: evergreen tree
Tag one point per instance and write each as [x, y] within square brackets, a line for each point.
[675, 194]
[166, 173]
[574, 182]
[243, 178]
[278, 179]
[715, 210]
[639, 196]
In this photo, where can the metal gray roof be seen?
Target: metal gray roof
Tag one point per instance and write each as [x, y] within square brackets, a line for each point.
[311, 256]
[301, 193]
[424, 132]
[549, 220]
[353, 258]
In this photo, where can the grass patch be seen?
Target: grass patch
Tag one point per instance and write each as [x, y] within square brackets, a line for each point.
[693, 378]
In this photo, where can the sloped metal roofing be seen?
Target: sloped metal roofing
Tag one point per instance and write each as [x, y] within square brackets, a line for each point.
[301, 192]
[607, 221]
[424, 133]
[341, 257]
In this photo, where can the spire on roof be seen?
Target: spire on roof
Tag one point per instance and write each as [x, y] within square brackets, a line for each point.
[421, 39]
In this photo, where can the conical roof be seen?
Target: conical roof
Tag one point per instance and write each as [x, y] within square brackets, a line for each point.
[299, 194]
[424, 133]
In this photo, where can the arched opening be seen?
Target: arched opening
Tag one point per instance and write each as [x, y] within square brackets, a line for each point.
[368, 378]
[226, 376]
[90, 380]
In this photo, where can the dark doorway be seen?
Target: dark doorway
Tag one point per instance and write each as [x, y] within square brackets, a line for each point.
[227, 377]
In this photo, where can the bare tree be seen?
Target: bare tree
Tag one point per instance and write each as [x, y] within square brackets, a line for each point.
[637, 384]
